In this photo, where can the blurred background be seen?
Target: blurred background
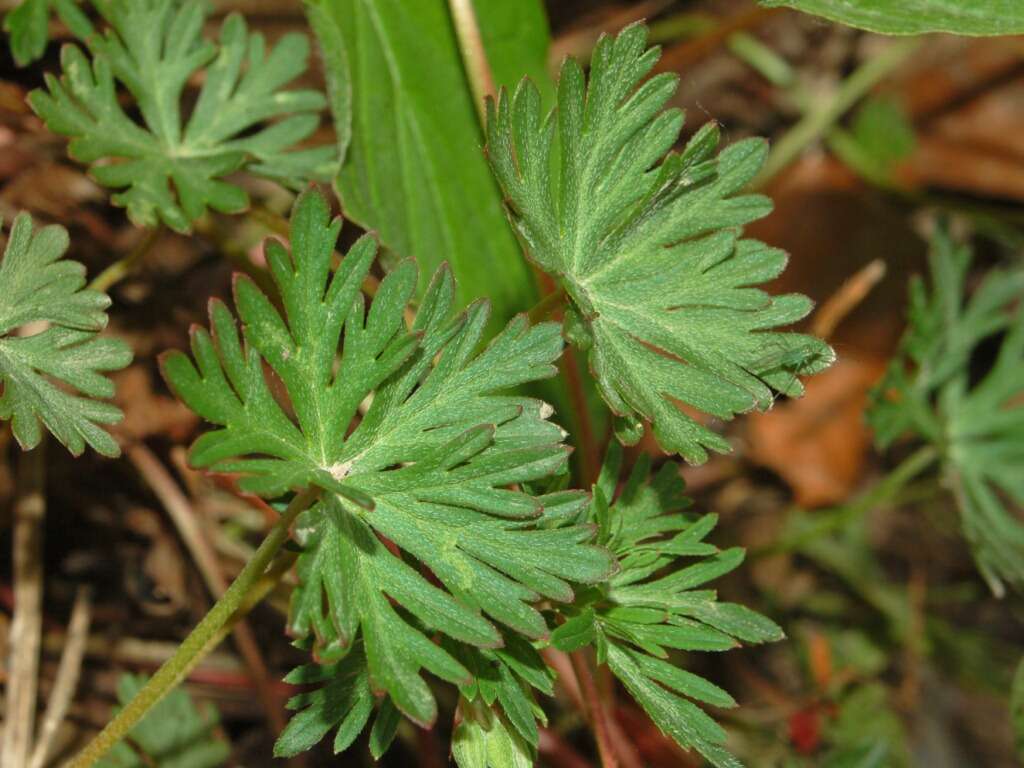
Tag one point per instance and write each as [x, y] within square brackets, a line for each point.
[897, 653]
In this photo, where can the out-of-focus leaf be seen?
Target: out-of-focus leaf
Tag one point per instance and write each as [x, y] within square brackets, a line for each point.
[174, 734]
[978, 426]
[915, 17]
[867, 732]
[880, 137]
[413, 168]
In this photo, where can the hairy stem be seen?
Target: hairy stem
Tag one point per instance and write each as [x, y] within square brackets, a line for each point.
[204, 638]
[832, 520]
[121, 268]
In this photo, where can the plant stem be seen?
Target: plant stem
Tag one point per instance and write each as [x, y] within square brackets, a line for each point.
[474, 57]
[551, 301]
[121, 268]
[590, 464]
[186, 521]
[817, 121]
[204, 638]
[828, 521]
[595, 709]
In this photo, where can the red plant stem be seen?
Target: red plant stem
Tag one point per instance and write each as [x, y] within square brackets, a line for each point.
[595, 710]
[589, 464]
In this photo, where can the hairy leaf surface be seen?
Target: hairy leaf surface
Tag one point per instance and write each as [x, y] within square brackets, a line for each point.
[977, 425]
[51, 359]
[647, 246]
[428, 465]
[167, 168]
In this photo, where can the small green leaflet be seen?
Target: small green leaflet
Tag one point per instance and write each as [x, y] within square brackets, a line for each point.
[428, 465]
[647, 246]
[978, 427]
[344, 702]
[916, 17]
[652, 606]
[483, 738]
[42, 296]
[168, 169]
[502, 683]
[28, 25]
[175, 733]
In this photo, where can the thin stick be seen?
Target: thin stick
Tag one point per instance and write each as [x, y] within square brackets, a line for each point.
[851, 293]
[474, 57]
[26, 626]
[203, 639]
[184, 518]
[66, 680]
[816, 122]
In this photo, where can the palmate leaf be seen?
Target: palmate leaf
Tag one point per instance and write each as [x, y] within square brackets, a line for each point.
[977, 426]
[175, 733]
[648, 249]
[651, 606]
[428, 465]
[49, 345]
[173, 170]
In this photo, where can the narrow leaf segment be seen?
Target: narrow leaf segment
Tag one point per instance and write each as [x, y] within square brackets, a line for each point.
[655, 605]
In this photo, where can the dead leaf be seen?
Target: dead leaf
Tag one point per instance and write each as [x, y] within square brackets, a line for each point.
[818, 444]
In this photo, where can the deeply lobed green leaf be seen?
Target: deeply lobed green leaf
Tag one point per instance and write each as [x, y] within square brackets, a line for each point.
[412, 441]
[977, 425]
[51, 359]
[647, 246]
[655, 605]
[167, 168]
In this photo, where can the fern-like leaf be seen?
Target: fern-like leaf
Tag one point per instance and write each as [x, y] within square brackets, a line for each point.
[977, 426]
[652, 606]
[428, 465]
[648, 249]
[168, 169]
[49, 345]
